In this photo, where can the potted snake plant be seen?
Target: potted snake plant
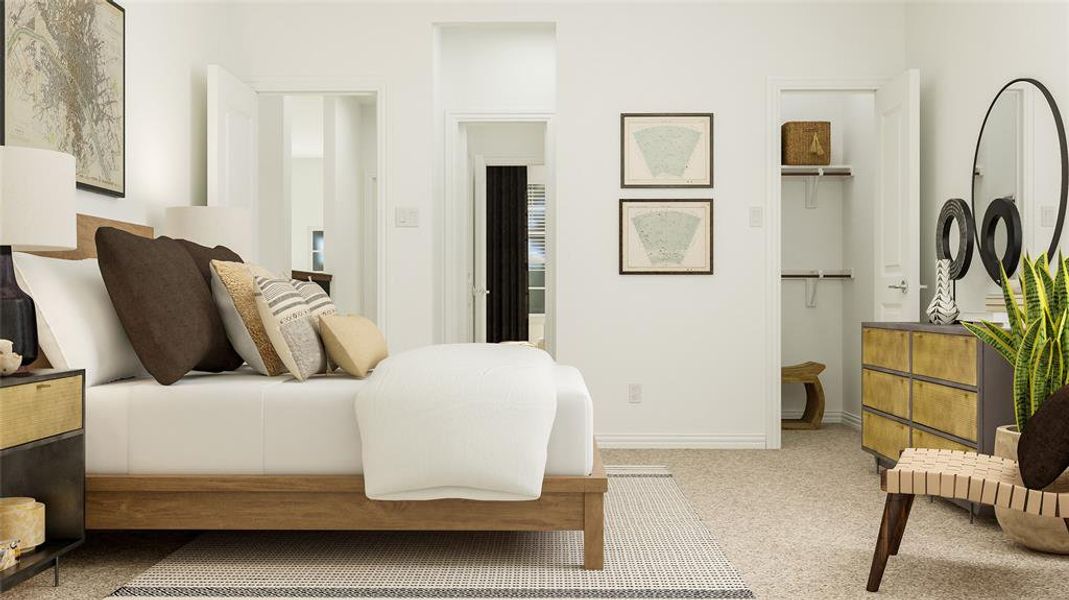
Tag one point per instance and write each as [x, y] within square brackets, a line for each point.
[1036, 344]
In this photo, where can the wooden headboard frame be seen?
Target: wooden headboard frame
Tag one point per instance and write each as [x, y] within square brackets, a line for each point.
[87, 230]
[87, 248]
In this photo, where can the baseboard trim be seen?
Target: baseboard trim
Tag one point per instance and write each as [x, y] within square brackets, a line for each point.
[829, 416]
[719, 441]
[852, 420]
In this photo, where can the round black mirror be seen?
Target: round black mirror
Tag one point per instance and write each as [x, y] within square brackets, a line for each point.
[1021, 158]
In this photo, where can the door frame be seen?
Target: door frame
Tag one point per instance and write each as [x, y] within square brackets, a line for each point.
[334, 86]
[776, 86]
[457, 229]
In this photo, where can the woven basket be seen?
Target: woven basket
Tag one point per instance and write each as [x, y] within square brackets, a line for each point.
[806, 142]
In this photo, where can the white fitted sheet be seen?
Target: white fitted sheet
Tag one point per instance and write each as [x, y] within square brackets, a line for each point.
[244, 423]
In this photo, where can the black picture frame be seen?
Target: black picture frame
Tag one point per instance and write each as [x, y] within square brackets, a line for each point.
[623, 151]
[623, 223]
[120, 193]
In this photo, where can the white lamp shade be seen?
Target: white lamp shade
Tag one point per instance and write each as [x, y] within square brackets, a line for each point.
[37, 199]
[212, 226]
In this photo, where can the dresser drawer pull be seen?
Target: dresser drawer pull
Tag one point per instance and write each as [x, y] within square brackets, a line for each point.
[43, 386]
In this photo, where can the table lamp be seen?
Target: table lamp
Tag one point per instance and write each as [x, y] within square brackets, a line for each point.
[36, 213]
[212, 226]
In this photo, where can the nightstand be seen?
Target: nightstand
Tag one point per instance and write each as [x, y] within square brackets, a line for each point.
[42, 455]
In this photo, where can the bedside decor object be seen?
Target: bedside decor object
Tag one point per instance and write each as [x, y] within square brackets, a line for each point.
[666, 237]
[212, 226]
[8, 556]
[671, 150]
[942, 310]
[22, 519]
[64, 85]
[1034, 345]
[805, 143]
[955, 212]
[36, 213]
[42, 454]
[998, 180]
[287, 318]
[353, 343]
[9, 361]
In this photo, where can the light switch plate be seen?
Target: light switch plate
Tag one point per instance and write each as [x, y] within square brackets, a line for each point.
[406, 216]
[757, 216]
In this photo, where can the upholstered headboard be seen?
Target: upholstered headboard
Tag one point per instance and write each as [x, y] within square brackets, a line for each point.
[87, 230]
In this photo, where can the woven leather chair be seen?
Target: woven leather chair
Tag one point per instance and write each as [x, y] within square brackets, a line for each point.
[966, 476]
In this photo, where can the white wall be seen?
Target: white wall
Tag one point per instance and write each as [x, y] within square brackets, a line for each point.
[695, 343]
[966, 53]
[306, 209]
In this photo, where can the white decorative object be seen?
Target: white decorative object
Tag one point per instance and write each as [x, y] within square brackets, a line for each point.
[943, 310]
[9, 360]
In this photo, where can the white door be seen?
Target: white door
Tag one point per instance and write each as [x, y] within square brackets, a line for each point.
[232, 149]
[478, 277]
[897, 208]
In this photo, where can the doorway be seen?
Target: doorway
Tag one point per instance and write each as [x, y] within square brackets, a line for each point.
[499, 263]
[843, 238]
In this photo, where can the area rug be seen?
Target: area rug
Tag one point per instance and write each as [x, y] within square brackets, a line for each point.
[655, 547]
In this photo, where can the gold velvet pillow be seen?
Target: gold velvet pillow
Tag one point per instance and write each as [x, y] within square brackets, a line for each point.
[234, 293]
[353, 343]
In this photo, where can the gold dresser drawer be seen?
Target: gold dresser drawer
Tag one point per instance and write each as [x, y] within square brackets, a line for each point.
[945, 408]
[885, 348]
[884, 436]
[39, 410]
[885, 392]
[947, 357]
[924, 439]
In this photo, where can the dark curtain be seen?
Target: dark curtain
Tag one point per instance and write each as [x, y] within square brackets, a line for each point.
[506, 254]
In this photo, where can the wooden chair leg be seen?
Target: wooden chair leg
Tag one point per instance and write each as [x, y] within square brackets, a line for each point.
[900, 527]
[593, 531]
[895, 513]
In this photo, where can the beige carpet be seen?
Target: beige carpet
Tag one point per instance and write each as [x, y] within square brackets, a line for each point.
[798, 523]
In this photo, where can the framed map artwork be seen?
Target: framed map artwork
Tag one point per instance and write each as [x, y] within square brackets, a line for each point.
[666, 237]
[666, 150]
[64, 76]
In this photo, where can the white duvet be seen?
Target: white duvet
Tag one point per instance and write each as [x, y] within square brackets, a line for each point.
[457, 421]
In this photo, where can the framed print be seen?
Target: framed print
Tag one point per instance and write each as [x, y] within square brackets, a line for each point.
[64, 75]
[666, 237]
[666, 150]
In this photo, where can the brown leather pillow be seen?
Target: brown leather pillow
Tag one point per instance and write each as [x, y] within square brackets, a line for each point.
[164, 305]
[1043, 450]
[203, 257]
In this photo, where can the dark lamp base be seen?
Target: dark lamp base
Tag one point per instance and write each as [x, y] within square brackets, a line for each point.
[18, 317]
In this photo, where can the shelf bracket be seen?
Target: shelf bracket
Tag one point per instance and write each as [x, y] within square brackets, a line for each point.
[812, 185]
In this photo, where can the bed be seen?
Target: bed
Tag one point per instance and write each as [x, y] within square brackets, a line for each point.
[240, 451]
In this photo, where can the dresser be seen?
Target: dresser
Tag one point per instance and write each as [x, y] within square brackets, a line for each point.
[42, 455]
[930, 386]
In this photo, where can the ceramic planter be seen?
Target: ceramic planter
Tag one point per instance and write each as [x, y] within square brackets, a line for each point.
[1045, 534]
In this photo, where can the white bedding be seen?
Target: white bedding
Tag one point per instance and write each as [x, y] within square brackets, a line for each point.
[466, 421]
[244, 423]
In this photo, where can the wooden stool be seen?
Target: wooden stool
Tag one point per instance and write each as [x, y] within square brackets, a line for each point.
[968, 476]
[806, 373]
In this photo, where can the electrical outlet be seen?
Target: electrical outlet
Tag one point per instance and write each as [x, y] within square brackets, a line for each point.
[757, 217]
[1048, 216]
[634, 393]
[406, 216]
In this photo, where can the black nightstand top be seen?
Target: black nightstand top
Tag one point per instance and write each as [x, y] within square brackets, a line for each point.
[38, 375]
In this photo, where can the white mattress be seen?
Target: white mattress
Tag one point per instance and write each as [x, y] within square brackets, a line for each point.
[244, 423]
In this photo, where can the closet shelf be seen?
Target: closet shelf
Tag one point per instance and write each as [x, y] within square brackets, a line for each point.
[816, 171]
[818, 274]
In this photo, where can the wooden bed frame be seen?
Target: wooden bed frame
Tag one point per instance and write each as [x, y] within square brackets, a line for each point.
[324, 502]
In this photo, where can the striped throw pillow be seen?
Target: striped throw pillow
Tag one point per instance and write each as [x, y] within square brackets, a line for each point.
[319, 303]
[287, 317]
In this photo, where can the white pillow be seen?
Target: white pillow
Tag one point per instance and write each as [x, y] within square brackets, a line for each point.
[77, 327]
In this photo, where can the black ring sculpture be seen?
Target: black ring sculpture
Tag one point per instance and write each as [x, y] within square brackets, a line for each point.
[1056, 236]
[955, 211]
[1001, 209]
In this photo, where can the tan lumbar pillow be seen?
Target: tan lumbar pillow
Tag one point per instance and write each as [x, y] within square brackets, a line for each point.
[353, 343]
